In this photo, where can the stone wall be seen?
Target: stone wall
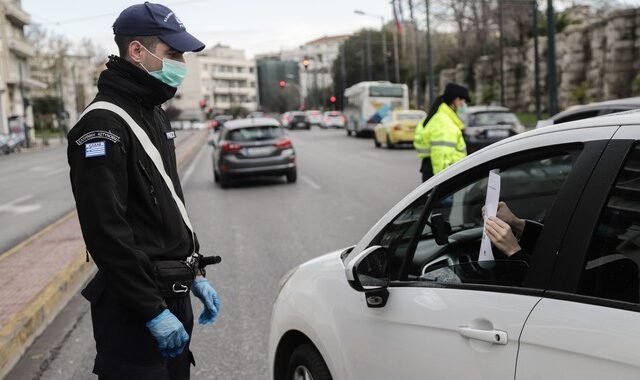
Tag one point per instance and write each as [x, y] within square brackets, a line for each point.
[595, 60]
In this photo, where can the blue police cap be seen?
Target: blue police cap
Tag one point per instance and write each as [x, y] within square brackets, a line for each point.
[150, 19]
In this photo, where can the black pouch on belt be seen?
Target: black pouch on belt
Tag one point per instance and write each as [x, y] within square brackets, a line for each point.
[174, 278]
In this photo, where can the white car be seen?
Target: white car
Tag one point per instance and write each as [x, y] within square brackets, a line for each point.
[333, 119]
[411, 300]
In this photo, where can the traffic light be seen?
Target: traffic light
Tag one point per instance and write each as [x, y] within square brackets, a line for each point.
[203, 103]
[282, 84]
[332, 99]
[305, 63]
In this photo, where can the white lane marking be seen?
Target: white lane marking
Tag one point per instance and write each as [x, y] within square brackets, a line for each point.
[54, 172]
[14, 207]
[308, 180]
[193, 164]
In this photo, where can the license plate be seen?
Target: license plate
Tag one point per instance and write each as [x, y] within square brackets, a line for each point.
[300, 125]
[497, 133]
[259, 151]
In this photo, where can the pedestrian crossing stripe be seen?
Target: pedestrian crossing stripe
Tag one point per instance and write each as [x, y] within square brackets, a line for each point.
[95, 149]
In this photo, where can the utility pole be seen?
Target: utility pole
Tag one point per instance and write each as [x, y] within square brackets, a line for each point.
[363, 59]
[24, 106]
[551, 62]
[500, 11]
[429, 56]
[417, 66]
[384, 50]
[369, 75]
[536, 59]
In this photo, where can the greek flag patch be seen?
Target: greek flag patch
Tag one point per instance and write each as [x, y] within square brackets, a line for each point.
[95, 149]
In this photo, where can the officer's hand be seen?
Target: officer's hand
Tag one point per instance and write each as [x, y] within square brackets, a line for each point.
[209, 297]
[169, 332]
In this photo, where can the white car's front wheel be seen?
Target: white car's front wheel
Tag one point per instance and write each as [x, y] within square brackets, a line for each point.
[306, 363]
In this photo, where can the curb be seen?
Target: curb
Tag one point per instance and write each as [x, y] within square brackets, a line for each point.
[19, 332]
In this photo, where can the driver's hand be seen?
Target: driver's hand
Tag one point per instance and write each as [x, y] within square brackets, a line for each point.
[505, 214]
[501, 236]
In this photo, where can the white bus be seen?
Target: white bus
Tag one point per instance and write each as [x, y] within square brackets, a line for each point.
[366, 103]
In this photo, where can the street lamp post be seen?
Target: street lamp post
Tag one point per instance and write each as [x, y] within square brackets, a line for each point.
[384, 44]
[551, 62]
[429, 55]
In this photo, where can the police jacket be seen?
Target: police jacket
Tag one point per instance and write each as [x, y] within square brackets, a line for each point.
[421, 140]
[443, 136]
[126, 212]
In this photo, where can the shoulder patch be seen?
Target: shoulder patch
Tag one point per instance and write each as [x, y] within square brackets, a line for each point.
[102, 135]
[95, 149]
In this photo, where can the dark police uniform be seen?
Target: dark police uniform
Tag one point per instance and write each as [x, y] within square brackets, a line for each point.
[129, 219]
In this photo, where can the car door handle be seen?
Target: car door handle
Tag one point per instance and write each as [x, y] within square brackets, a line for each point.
[491, 336]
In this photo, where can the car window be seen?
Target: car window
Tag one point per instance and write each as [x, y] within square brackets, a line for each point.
[528, 188]
[577, 116]
[255, 133]
[611, 267]
[494, 118]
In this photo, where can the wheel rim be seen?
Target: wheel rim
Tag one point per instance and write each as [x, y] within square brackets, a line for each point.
[302, 373]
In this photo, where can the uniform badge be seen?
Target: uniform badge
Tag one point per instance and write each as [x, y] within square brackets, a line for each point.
[171, 135]
[102, 135]
[95, 149]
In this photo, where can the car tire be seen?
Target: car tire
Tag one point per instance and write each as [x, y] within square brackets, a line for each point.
[348, 132]
[306, 360]
[224, 181]
[390, 145]
[292, 176]
[375, 142]
[216, 176]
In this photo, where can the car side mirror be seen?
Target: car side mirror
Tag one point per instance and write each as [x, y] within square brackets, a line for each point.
[369, 272]
[440, 229]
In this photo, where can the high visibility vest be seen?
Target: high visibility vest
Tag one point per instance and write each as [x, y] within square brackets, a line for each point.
[444, 133]
[421, 141]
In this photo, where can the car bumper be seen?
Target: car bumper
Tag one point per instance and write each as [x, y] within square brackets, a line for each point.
[401, 137]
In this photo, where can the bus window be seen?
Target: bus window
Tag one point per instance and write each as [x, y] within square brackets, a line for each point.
[386, 91]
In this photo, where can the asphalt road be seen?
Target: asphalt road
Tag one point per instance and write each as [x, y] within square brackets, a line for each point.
[34, 192]
[261, 228]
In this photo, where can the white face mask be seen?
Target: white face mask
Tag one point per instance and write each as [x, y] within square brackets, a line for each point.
[172, 73]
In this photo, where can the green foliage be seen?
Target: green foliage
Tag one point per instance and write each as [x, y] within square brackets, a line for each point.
[46, 105]
[489, 93]
[238, 112]
[579, 93]
[529, 120]
[636, 85]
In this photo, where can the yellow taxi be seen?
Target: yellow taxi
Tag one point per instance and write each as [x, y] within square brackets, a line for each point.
[398, 127]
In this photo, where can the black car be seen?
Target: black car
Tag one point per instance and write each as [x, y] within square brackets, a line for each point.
[298, 120]
[484, 125]
[251, 148]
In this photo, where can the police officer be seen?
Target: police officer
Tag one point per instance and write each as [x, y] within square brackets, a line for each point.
[438, 138]
[129, 220]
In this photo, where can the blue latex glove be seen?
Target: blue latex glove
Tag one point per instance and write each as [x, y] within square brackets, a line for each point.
[169, 332]
[209, 297]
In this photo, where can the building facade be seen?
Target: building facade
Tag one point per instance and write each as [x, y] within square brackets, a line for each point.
[16, 83]
[221, 76]
[315, 61]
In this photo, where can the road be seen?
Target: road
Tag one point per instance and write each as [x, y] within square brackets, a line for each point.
[35, 191]
[262, 228]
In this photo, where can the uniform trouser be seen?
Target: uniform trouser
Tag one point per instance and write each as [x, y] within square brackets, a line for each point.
[127, 350]
[426, 169]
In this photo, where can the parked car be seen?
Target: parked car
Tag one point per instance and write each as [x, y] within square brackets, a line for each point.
[315, 117]
[250, 148]
[580, 112]
[333, 119]
[297, 120]
[398, 127]
[219, 120]
[484, 125]
[4, 144]
[412, 300]
[15, 142]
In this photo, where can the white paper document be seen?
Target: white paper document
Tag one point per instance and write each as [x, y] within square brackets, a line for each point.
[491, 208]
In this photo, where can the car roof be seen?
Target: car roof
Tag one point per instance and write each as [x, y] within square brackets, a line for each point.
[476, 109]
[627, 103]
[252, 122]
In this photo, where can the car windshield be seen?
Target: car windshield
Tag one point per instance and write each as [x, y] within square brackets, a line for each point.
[493, 118]
[386, 91]
[255, 133]
[411, 116]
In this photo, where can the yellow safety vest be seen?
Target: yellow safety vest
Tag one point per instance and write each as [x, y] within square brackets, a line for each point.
[421, 141]
[444, 135]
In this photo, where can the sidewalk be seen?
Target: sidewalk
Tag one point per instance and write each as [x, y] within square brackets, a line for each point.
[40, 275]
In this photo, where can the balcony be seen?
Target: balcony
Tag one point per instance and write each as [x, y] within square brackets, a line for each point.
[21, 48]
[16, 15]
